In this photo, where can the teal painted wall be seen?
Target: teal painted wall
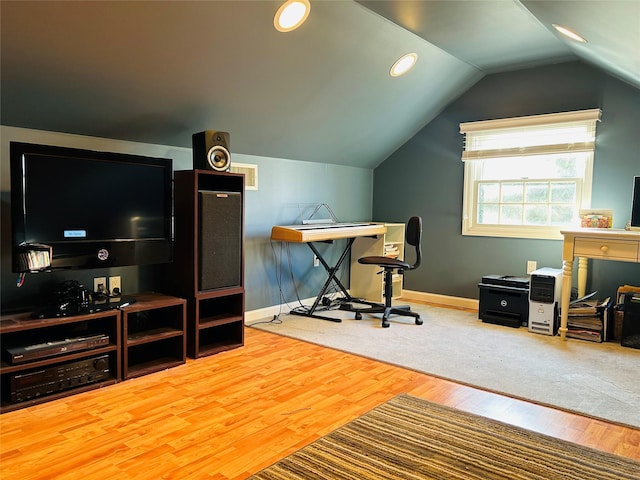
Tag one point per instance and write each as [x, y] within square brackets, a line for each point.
[289, 190]
[425, 177]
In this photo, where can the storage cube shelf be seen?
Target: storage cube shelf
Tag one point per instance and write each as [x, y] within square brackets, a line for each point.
[154, 334]
[365, 281]
[218, 322]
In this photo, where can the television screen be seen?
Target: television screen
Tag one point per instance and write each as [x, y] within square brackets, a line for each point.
[94, 209]
[635, 203]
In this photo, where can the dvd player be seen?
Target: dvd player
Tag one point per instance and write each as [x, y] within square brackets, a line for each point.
[28, 353]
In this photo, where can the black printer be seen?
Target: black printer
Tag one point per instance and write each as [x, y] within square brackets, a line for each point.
[504, 300]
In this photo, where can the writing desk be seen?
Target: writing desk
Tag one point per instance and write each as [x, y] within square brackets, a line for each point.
[327, 233]
[599, 243]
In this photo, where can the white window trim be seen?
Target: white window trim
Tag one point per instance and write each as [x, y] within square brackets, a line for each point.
[471, 173]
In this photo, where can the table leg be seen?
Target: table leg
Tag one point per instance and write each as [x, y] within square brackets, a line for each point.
[567, 270]
[582, 276]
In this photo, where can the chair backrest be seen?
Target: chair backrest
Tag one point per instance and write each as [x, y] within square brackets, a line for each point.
[414, 238]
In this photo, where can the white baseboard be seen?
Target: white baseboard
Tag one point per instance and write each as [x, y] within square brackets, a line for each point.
[266, 312]
[438, 299]
[435, 298]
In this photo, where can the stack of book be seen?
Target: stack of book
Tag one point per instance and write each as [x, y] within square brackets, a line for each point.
[627, 291]
[391, 250]
[589, 320]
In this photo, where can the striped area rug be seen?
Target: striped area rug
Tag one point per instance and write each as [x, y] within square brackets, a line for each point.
[411, 438]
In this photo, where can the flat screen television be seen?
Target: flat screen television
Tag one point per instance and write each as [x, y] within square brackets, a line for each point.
[635, 204]
[89, 209]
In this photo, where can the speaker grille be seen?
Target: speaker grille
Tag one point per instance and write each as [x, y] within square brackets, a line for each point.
[220, 239]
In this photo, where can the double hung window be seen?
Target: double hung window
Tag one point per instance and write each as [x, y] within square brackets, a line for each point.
[527, 177]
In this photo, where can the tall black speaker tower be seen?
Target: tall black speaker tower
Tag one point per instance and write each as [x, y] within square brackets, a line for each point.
[208, 266]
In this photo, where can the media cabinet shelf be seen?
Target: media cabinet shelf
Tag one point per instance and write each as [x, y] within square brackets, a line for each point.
[218, 322]
[153, 334]
[152, 366]
[22, 331]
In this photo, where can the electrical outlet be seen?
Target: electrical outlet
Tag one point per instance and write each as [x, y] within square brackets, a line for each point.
[114, 285]
[100, 284]
[316, 262]
[531, 266]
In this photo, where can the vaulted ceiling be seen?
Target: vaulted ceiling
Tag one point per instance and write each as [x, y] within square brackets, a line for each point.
[158, 71]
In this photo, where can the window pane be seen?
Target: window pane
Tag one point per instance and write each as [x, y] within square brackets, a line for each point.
[535, 214]
[488, 214]
[511, 214]
[563, 192]
[512, 192]
[562, 214]
[488, 192]
[536, 192]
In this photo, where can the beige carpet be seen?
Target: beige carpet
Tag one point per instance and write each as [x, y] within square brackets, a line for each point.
[596, 379]
[411, 438]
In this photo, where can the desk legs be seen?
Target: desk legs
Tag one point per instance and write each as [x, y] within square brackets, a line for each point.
[567, 270]
[582, 276]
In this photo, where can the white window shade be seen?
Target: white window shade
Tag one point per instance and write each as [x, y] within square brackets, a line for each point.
[532, 135]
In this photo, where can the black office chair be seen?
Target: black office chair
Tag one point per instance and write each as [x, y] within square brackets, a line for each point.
[389, 266]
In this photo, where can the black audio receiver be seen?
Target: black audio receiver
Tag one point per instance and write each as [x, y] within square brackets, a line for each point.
[56, 378]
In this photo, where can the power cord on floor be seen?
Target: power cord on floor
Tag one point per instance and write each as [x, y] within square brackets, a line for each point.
[329, 302]
[275, 320]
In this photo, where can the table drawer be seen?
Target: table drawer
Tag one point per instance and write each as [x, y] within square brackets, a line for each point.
[607, 249]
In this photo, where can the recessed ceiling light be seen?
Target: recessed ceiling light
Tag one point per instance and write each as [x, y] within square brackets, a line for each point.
[291, 15]
[567, 32]
[403, 64]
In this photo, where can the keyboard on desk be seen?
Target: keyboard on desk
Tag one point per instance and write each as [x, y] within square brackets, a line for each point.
[326, 231]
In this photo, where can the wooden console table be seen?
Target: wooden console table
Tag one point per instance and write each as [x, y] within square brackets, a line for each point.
[600, 243]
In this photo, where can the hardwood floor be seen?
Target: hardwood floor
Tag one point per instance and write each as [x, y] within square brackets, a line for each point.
[231, 414]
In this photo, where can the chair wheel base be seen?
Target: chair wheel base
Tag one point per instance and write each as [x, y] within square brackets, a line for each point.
[387, 312]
